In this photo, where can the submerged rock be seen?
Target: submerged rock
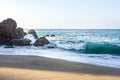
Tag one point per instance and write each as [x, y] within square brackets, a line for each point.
[52, 35]
[47, 35]
[50, 45]
[41, 41]
[33, 32]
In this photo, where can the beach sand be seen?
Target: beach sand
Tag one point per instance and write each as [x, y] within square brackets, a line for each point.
[18, 67]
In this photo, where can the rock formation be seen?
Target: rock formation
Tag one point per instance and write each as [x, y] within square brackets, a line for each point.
[11, 36]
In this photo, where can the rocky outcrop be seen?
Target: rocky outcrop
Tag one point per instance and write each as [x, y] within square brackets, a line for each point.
[33, 32]
[10, 35]
[13, 36]
[8, 29]
[19, 42]
[20, 33]
[41, 41]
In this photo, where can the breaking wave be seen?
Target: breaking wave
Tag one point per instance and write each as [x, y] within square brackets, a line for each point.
[91, 47]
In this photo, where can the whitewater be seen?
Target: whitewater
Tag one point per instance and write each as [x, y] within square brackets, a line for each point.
[95, 46]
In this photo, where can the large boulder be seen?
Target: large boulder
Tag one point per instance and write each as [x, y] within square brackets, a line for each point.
[20, 33]
[8, 29]
[41, 41]
[19, 42]
[33, 32]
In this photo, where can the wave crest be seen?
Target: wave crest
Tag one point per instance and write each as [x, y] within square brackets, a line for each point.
[90, 47]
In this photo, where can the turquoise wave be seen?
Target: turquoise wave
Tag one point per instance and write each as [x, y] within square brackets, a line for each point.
[102, 48]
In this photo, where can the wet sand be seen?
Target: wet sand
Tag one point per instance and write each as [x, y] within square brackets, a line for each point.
[18, 67]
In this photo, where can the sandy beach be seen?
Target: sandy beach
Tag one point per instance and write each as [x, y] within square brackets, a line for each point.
[16, 67]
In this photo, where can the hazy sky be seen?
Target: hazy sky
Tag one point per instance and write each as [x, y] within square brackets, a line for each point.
[58, 14]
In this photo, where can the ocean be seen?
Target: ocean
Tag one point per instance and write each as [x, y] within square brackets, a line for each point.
[91, 46]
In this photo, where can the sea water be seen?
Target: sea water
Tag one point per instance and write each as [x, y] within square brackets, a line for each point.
[92, 46]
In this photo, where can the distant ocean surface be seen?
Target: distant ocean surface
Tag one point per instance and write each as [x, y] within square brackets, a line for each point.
[92, 46]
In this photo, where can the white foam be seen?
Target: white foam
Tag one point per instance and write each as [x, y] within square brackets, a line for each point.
[31, 37]
[96, 59]
[74, 46]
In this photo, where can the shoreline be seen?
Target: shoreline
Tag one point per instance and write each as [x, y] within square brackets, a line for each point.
[61, 60]
[21, 63]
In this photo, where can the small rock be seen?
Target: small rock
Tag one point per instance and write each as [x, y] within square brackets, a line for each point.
[47, 35]
[52, 35]
[41, 41]
[51, 47]
[33, 32]
[20, 33]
